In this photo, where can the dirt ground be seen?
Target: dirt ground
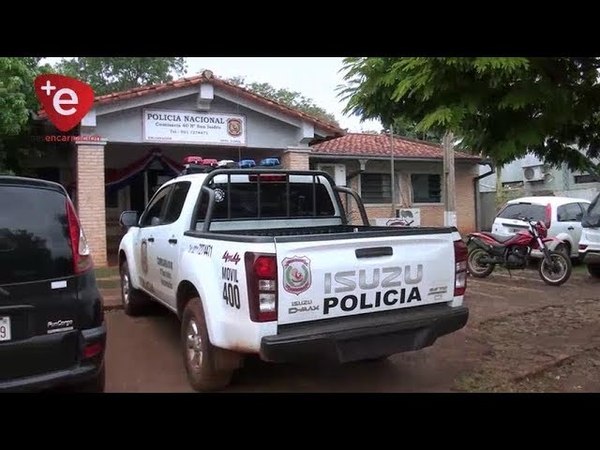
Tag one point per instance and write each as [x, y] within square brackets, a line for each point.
[522, 336]
[537, 338]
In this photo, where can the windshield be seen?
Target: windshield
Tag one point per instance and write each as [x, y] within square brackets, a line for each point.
[523, 210]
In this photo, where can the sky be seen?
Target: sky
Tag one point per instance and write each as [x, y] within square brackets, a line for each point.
[314, 78]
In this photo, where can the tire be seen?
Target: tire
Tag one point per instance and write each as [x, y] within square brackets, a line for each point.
[200, 357]
[135, 302]
[594, 270]
[475, 269]
[563, 248]
[95, 385]
[545, 275]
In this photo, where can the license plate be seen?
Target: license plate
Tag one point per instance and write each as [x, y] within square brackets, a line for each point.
[5, 328]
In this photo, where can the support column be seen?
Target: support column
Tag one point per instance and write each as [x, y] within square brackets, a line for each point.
[90, 199]
[296, 158]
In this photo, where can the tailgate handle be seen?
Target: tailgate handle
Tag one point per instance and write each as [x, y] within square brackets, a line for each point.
[374, 252]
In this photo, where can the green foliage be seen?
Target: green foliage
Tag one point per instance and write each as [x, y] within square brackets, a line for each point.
[17, 102]
[116, 74]
[14, 75]
[501, 107]
[289, 98]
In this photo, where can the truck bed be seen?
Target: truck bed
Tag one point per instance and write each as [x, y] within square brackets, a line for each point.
[289, 234]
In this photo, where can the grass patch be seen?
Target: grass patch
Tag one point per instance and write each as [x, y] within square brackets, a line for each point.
[107, 272]
[108, 284]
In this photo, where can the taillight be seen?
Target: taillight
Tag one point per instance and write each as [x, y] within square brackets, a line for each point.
[548, 216]
[91, 350]
[461, 253]
[261, 278]
[82, 259]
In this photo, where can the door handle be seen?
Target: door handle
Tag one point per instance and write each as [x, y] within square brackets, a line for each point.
[570, 228]
[373, 252]
[150, 239]
[172, 241]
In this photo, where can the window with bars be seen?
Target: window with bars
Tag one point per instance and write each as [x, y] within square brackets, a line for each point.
[587, 178]
[426, 188]
[376, 187]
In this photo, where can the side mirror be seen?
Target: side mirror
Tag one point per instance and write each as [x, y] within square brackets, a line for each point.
[128, 219]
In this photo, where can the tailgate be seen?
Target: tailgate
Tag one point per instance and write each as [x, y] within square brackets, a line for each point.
[324, 279]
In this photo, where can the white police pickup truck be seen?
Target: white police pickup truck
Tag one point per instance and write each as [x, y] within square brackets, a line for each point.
[263, 261]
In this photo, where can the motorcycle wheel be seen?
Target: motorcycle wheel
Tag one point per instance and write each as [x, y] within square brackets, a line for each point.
[477, 269]
[558, 271]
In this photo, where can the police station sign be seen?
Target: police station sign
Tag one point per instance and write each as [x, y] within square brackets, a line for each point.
[192, 127]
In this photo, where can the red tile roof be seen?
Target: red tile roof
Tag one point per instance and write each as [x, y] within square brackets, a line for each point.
[217, 82]
[365, 144]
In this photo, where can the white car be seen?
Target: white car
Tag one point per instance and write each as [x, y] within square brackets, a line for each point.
[589, 245]
[562, 216]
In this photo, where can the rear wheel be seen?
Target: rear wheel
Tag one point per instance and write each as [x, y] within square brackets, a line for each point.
[475, 266]
[200, 357]
[594, 270]
[135, 302]
[557, 271]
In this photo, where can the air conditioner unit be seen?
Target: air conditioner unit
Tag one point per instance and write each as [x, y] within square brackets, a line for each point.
[534, 173]
[337, 172]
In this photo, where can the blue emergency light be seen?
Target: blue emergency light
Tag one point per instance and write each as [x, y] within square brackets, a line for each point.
[247, 163]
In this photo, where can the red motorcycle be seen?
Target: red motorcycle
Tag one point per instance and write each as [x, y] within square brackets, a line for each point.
[486, 250]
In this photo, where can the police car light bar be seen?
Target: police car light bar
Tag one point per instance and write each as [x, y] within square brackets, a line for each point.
[197, 164]
[192, 160]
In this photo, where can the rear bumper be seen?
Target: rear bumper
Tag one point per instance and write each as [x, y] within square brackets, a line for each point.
[365, 336]
[82, 371]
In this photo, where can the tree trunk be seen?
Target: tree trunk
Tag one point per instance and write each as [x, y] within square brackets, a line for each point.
[500, 193]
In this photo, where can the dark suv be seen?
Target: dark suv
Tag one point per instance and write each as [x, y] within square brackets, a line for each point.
[52, 330]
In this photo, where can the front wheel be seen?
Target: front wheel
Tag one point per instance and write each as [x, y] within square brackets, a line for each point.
[475, 266]
[135, 302]
[556, 271]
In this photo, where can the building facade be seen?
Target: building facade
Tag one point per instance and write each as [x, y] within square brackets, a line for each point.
[414, 191]
[142, 136]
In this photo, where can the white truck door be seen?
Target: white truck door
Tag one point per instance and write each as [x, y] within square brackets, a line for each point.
[569, 222]
[150, 229]
[168, 241]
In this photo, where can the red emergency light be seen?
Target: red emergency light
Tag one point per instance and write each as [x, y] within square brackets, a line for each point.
[210, 162]
[193, 160]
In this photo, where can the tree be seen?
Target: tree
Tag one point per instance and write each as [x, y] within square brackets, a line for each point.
[501, 107]
[289, 98]
[17, 102]
[403, 127]
[115, 74]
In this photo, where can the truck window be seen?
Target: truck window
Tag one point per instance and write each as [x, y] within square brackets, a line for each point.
[244, 201]
[176, 202]
[153, 214]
